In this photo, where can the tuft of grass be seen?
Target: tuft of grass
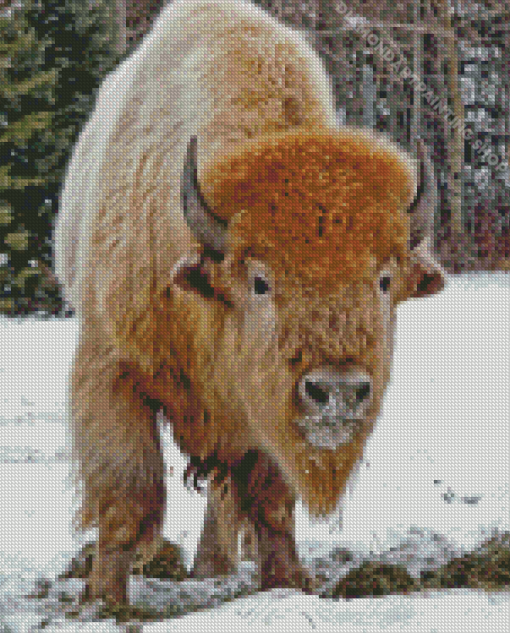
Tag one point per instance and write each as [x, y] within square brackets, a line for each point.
[375, 579]
[167, 564]
[487, 567]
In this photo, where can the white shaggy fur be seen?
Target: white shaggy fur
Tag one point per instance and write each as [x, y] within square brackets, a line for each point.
[186, 67]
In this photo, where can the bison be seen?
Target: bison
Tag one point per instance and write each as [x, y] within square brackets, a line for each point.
[235, 259]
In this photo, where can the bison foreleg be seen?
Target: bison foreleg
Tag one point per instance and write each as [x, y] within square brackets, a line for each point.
[116, 447]
[217, 548]
[253, 495]
[271, 511]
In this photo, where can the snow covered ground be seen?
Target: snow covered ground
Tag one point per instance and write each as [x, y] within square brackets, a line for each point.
[437, 463]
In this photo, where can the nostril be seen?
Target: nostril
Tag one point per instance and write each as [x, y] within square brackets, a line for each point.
[328, 392]
[317, 394]
[362, 392]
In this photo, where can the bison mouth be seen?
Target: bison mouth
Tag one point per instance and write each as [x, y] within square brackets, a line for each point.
[329, 431]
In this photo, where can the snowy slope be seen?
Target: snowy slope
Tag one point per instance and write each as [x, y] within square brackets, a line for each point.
[438, 461]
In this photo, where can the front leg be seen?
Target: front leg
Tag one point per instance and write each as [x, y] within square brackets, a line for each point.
[217, 553]
[116, 447]
[271, 512]
[255, 494]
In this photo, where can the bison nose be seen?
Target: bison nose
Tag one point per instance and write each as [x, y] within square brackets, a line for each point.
[344, 394]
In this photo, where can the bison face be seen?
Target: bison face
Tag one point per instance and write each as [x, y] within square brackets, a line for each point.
[297, 360]
[340, 399]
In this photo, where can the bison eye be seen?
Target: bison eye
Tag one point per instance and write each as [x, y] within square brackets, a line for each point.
[385, 283]
[260, 286]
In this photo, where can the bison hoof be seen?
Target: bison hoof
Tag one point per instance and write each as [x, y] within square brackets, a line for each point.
[113, 596]
[299, 580]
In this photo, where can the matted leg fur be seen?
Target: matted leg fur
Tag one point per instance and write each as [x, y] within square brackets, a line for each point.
[217, 551]
[271, 512]
[253, 494]
[116, 446]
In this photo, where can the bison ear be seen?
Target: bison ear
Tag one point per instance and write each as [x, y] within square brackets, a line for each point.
[426, 276]
[193, 274]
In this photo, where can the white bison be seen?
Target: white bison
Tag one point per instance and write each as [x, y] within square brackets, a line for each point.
[235, 260]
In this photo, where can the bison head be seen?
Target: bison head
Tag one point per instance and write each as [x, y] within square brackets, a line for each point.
[308, 243]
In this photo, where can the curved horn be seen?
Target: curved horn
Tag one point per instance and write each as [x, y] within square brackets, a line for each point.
[206, 227]
[423, 207]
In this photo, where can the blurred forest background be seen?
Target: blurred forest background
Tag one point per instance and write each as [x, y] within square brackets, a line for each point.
[436, 69]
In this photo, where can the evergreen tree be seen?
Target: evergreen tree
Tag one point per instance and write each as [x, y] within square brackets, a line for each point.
[53, 54]
[25, 112]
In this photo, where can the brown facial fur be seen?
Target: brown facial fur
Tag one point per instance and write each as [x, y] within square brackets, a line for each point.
[319, 206]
